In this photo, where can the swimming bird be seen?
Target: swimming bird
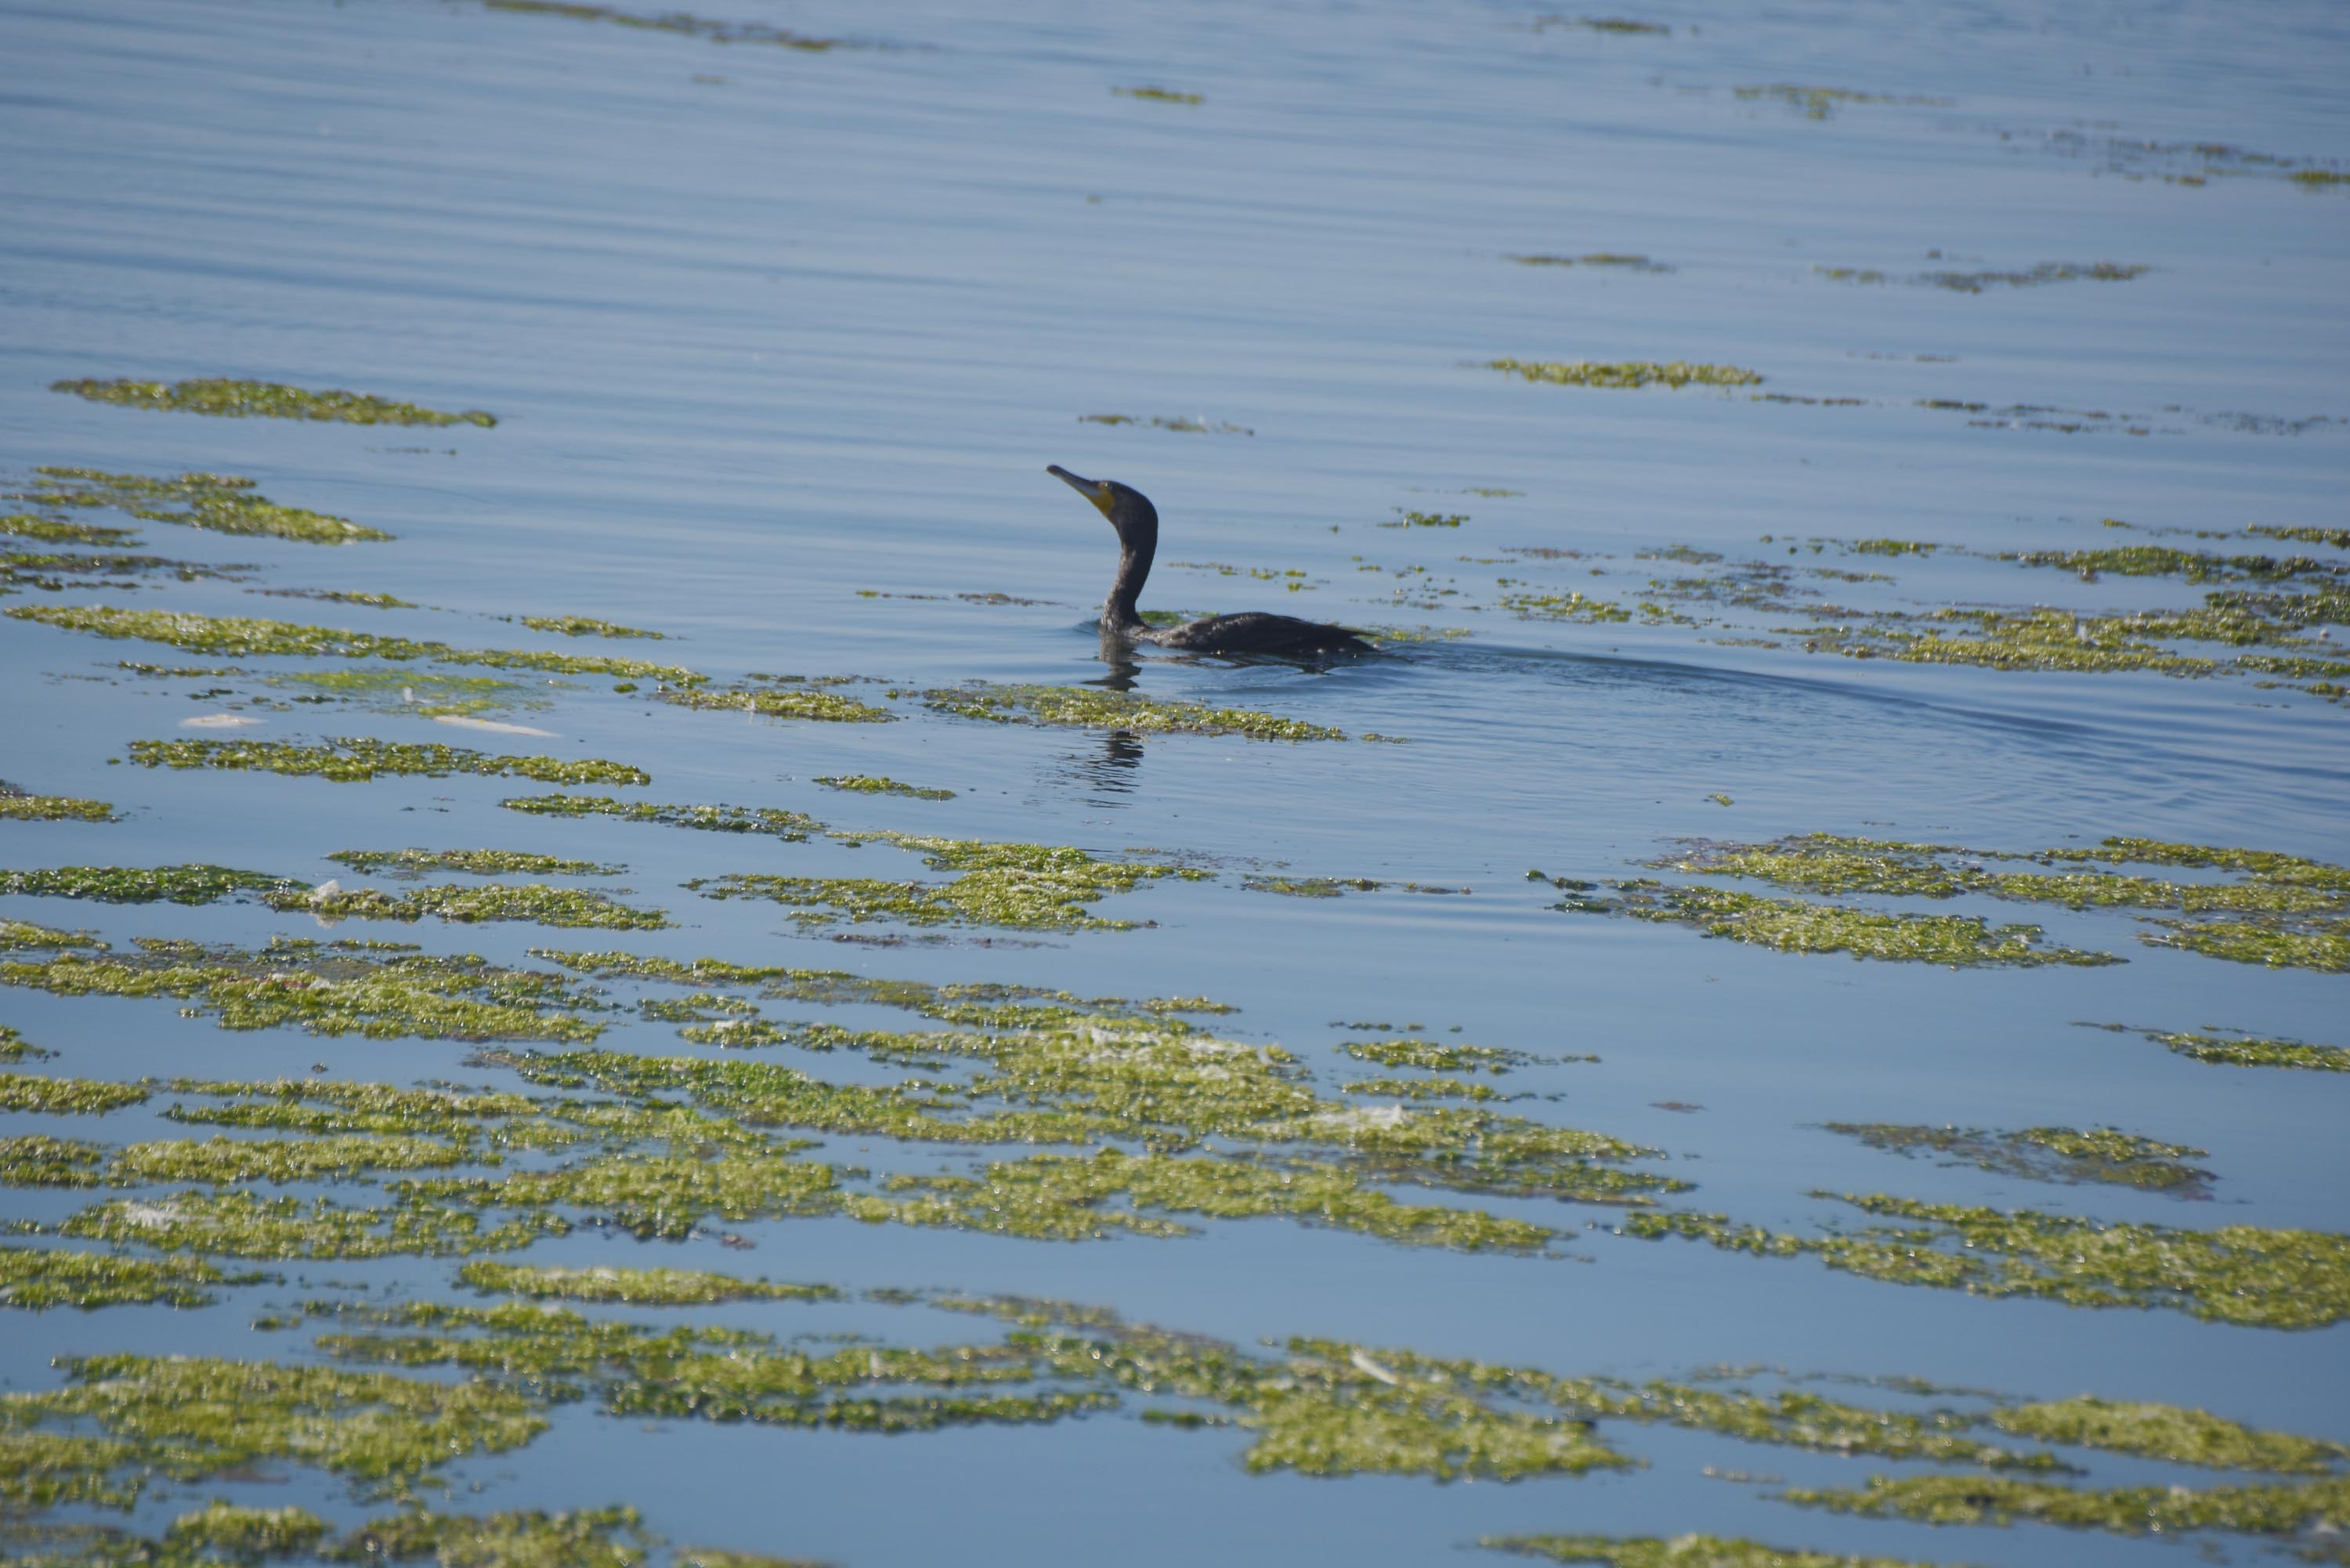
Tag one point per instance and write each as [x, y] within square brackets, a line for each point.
[1252, 631]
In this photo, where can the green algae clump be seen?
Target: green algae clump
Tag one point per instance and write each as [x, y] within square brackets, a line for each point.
[585, 626]
[1572, 606]
[131, 885]
[2285, 910]
[245, 636]
[1025, 887]
[17, 807]
[48, 530]
[218, 502]
[328, 990]
[862, 783]
[1062, 1197]
[1310, 886]
[2339, 538]
[791, 827]
[811, 703]
[2168, 1432]
[2046, 272]
[245, 400]
[665, 1196]
[2161, 561]
[1596, 258]
[2129, 1511]
[521, 1538]
[188, 1418]
[1820, 103]
[2243, 1274]
[247, 1535]
[1680, 1552]
[66, 1097]
[2245, 1051]
[1794, 925]
[633, 1287]
[477, 862]
[1436, 1056]
[2047, 1154]
[36, 1279]
[1089, 708]
[536, 902]
[353, 760]
[671, 22]
[1627, 373]
[240, 1224]
[220, 1160]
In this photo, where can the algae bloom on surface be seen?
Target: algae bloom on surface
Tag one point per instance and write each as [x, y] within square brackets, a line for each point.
[863, 784]
[2280, 910]
[245, 399]
[218, 502]
[1024, 887]
[357, 760]
[22, 807]
[1626, 373]
[2048, 1154]
[245, 637]
[1089, 708]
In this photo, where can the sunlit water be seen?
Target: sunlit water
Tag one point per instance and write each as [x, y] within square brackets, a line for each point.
[774, 336]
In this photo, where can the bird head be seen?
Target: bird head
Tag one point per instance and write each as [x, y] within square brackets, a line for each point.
[1129, 510]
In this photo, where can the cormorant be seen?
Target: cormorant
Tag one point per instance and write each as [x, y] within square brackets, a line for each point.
[1252, 631]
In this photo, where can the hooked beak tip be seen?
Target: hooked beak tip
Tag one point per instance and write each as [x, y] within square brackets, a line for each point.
[1091, 489]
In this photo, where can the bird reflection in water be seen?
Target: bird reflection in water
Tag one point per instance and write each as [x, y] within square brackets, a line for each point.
[1112, 773]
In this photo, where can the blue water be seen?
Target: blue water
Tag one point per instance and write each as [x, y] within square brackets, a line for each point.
[767, 331]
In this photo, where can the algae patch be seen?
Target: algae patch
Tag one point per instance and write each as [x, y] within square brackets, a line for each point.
[410, 863]
[191, 1418]
[1310, 886]
[65, 1097]
[245, 636]
[798, 701]
[2047, 1154]
[633, 1287]
[218, 502]
[1090, 708]
[1794, 925]
[1821, 103]
[16, 807]
[586, 625]
[326, 989]
[245, 399]
[37, 1279]
[791, 827]
[2280, 910]
[680, 22]
[1679, 1551]
[352, 760]
[1596, 258]
[122, 885]
[1626, 373]
[862, 783]
[2275, 1511]
[2241, 1274]
[1024, 887]
[2236, 1050]
[534, 902]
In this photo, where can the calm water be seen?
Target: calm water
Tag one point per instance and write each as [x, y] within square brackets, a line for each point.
[781, 342]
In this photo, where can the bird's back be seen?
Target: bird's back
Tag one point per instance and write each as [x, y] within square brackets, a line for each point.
[1257, 632]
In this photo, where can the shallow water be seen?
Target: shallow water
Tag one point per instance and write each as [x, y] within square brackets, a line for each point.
[780, 343]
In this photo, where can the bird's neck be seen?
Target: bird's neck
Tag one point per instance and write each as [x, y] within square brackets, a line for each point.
[1119, 611]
